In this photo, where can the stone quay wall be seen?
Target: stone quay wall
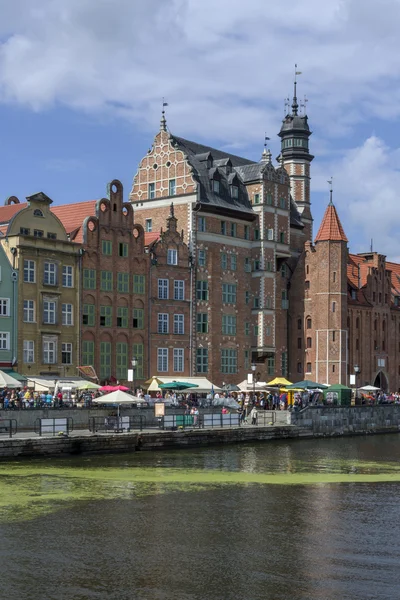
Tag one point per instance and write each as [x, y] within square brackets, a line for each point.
[347, 420]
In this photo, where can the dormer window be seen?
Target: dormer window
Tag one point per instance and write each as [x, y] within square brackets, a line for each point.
[37, 213]
[234, 191]
[172, 257]
[215, 186]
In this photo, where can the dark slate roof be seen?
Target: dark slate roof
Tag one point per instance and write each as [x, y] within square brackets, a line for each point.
[197, 155]
[295, 122]
[295, 217]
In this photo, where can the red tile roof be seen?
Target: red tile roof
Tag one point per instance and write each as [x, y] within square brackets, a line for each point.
[73, 215]
[331, 228]
[7, 212]
[150, 237]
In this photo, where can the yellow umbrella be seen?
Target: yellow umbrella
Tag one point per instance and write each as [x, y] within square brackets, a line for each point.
[156, 379]
[279, 381]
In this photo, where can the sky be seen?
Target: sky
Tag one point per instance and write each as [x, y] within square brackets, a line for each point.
[82, 82]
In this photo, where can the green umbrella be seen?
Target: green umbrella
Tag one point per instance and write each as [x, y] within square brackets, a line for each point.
[177, 385]
[88, 385]
[306, 385]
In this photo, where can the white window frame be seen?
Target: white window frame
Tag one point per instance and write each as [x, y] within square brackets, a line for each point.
[29, 311]
[179, 360]
[172, 256]
[201, 258]
[67, 314]
[51, 311]
[50, 273]
[29, 271]
[163, 289]
[179, 324]
[66, 348]
[270, 235]
[201, 224]
[49, 351]
[162, 360]
[163, 323]
[4, 307]
[29, 352]
[68, 276]
[148, 225]
[4, 340]
[179, 289]
[172, 187]
[151, 191]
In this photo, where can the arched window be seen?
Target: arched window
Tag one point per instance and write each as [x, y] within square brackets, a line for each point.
[37, 213]
[309, 323]
[309, 342]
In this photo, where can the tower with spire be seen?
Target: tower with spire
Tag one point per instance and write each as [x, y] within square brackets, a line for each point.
[295, 157]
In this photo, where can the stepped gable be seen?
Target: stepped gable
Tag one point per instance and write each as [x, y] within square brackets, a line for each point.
[357, 272]
[208, 164]
[394, 269]
[73, 215]
[331, 229]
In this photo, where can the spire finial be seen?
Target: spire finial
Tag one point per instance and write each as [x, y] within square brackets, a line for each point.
[266, 155]
[330, 181]
[171, 210]
[163, 122]
[295, 106]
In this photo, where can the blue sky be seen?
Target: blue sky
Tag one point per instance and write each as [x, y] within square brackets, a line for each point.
[81, 86]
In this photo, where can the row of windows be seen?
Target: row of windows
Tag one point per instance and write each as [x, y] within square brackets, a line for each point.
[38, 233]
[50, 273]
[296, 142]
[122, 358]
[107, 248]
[269, 200]
[151, 190]
[106, 316]
[49, 352]
[107, 281]
[50, 312]
[229, 361]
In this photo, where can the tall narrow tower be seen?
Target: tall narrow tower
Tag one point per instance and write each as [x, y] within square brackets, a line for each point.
[296, 158]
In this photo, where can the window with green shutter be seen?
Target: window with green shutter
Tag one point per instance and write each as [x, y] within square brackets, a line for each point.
[87, 353]
[88, 315]
[105, 359]
[89, 279]
[123, 282]
[122, 360]
[138, 351]
[106, 247]
[138, 318]
[138, 284]
[122, 316]
[106, 281]
[105, 316]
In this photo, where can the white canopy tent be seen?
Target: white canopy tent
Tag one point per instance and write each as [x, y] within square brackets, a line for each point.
[7, 381]
[204, 386]
[248, 387]
[119, 397]
[44, 384]
[369, 388]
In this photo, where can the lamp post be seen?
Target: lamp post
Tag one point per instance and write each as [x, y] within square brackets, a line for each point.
[134, 363]
[357, 371]
[253, 368]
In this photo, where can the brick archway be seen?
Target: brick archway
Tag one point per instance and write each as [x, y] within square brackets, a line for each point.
[381, 381]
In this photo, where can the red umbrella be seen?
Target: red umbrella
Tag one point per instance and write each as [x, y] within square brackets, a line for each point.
[114, 388]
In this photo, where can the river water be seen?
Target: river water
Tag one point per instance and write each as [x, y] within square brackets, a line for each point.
[298, 520]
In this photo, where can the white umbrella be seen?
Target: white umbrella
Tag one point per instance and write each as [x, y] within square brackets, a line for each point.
[119, 397]
[369, 388]
[7, 381]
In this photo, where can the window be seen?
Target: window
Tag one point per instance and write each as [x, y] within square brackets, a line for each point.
[247, 265]
[121, 361]
[66, 353]
[255, 331]
[247, 328]
[309, 323]
[106, 281]
[152, 191]
[233, 229]
[247, 297]
[51, 236]
[202, 360]
[228, 325]
[163, 289]
[333, 336]
[223, 227]
[123, 282]
[106, 247]
[88, 315]
[224, 261]
[138, 318]
[233, 262]
[333, 306]
[216, 186]
[49, 351]
[29, 351]
[89, 279]
[201, 258]
[234, 191]
[172, 187]
[24, 231]
[299, 323]
[282, 237]
[122, 316]
[148, 225]
[50, 273]
[308, 368]
[202, 290]
[38, 233]
[179, 360]
[309, 342]
[283, 271]
[105, 316]
[201, 223]
[37, 213]
[67, 314]
[179, 327]
[228, 293]
[299, 343]
[284, 364]
[270, 234]
[4, 341]
[271, 365]
[334, 276]
[299, 367]
[162, 360]
[162, 326]
[67, 276]
[228, 361]
[256, 302]
[179, 289]
[49, 312]
[4, 307]
[202, 323]
[123, 249]
[172, 257]
[269, 199]
[256, 265]
[246, 359]
[138, 284]
[29, 311]
[256, 235]
[105, 359]
[282, 202]
[246, 232]
[268, 330]
[285, 301]
[256, 199]
[138, 351]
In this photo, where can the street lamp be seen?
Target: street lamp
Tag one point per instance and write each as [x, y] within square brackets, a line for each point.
[134, 363]
[253, 368]
[357, 371]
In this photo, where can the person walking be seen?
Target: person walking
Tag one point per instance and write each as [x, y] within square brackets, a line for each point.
[253, 415]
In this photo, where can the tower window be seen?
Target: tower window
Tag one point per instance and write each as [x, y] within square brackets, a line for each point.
[333, 306]
[256, 198]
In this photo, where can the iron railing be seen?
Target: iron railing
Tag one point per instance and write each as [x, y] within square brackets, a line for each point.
[8, 427]
[58, 426]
